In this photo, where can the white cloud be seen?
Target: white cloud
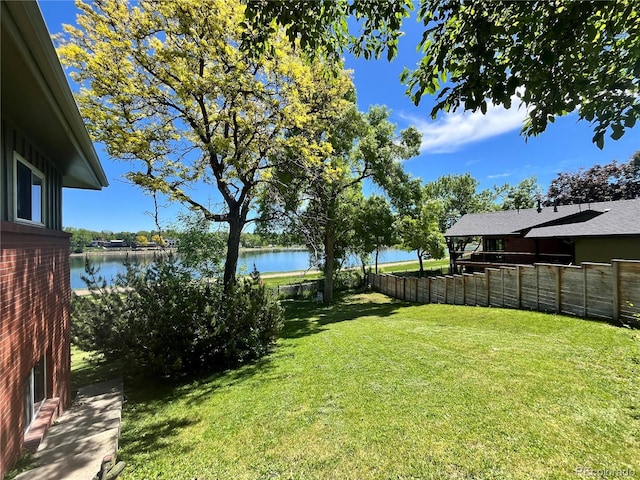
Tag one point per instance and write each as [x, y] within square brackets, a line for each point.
[499, 175]
[452, 131]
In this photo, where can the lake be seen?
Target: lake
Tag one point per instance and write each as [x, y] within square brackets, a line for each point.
[275, 260]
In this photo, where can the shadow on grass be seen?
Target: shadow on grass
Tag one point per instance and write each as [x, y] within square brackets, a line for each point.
[94, 369]
[155, 436]
[306, 317]
[146, 397]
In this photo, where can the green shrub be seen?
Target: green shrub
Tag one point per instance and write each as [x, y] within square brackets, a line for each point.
[348, 279]
[159, 319]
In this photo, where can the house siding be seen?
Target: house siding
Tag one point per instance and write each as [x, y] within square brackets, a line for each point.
[599, 249]
[14, 140]
[36, 291]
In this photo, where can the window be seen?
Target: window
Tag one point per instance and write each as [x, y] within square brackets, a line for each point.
[495, 245]
[35, 388]
[29, 192]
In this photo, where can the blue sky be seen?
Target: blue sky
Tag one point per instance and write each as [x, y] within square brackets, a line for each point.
[489, 146]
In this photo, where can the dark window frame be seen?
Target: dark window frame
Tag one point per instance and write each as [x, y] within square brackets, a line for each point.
[29, 192]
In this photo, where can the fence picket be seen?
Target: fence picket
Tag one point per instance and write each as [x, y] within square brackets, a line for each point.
[592, 290]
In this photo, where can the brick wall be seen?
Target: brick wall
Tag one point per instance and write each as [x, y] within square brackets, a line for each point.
[34, 304]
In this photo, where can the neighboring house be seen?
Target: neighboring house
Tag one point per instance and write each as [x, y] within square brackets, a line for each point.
[567, 234]
[171, 242]
[44, 147]
[116, 244]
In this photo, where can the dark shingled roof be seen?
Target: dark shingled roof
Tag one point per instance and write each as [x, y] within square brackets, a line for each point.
[621, 217]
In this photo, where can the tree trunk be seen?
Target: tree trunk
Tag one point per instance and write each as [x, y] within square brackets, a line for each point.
[233, 250]
[420, 260]
[329, 257]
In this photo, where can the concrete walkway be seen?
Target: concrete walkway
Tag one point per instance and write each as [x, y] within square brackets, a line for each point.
[76, 444]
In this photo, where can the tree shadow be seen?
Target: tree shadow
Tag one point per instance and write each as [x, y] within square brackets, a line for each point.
[95, 369]
[145, 397]
[156, 436]
[258, 372]
[306, 317]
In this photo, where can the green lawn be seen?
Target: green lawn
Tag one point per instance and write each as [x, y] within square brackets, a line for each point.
[373, 388]
[413, 268]
[405, 268]
[88, 368]
[291, 279]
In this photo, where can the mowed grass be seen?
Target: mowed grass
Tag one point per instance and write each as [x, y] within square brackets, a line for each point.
[404, 268]
[371, 388]
[88, 368]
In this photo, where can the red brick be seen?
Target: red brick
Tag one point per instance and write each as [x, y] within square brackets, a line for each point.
[34, 304]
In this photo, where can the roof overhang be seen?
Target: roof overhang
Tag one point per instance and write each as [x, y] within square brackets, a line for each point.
[37, 98]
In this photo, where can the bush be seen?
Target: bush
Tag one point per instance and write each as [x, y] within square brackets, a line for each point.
[159, 319]
[348, 279]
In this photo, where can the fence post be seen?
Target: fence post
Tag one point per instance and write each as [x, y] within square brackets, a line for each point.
[455, 290]
[488, 279]
[584, 289]
[475, 282]
[518, 287]
[558, 289]
[616, 289]
[502, 284]
[429, 289]
[446, 289]
[464, 290]
[537, 288]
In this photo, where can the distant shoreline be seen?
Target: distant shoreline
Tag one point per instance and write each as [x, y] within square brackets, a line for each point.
[122, 252]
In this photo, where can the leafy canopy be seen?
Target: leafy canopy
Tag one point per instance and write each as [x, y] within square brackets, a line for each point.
[459, 196]
[321, 201]
[321, 25]
[164, 84]
[523, 195]
[599, 183]
[556, 56]
[421, 231]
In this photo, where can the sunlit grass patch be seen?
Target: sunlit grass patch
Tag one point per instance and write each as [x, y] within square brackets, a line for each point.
[373, 388]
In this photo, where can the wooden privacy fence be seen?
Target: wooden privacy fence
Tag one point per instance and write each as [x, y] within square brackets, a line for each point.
[592, 290]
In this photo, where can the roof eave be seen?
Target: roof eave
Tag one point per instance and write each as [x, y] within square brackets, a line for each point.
[25, 24]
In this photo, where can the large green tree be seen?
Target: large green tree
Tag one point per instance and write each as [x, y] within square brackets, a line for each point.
[421, 232]
[374, 229]
[80, 238]
[459, 196]
[557, 56]
[165, 85]
[318, 199]
[523, 195]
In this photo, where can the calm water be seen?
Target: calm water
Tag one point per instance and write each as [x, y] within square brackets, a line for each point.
[264, 260]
